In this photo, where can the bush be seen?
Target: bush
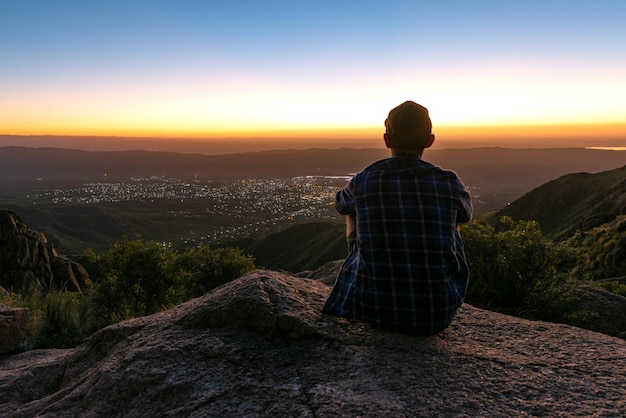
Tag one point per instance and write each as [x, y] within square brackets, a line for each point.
[203, 269]
[66, 320]
[138, 278]
[514, 269]
[58, 319]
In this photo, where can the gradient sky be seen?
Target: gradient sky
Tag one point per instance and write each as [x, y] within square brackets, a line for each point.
[253, 68]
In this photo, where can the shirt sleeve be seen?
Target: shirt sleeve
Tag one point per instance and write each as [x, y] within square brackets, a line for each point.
[344, 200]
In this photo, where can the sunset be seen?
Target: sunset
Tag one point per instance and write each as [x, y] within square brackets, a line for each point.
[204, 69]
[237, 208]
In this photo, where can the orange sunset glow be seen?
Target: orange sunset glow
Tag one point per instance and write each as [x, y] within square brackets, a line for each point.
[216, 72]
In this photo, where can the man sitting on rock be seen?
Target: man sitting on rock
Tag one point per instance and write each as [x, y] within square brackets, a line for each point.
[406, 269]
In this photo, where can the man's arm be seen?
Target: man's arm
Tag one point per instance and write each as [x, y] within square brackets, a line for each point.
[350, 224]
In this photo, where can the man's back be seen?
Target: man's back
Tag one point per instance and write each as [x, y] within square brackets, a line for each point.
[406, 269]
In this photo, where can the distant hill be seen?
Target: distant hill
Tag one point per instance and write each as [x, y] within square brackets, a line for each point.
[573, 202]
[298, 248]
[496, 177]
[487, 170]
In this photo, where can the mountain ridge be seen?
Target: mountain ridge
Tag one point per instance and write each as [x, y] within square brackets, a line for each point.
[496, 177]
[23, 163]
[577, 201]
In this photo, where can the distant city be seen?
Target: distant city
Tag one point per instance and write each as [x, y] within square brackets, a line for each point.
[91, 199]
[239, 209]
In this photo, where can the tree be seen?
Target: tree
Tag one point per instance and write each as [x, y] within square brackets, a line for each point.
[134, 280]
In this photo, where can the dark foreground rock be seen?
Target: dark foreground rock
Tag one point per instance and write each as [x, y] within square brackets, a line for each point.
[259, 346]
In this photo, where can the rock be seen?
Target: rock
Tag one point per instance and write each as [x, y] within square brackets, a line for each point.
[326, 274]
[13, 324]
[605, 311]
[29, 262]
[261, 347]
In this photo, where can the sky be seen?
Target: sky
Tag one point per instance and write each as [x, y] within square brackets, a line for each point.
[222, 69]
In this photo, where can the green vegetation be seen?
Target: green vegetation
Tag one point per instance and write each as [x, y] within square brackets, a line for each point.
[600, 251]
[572, 202]
[614, 287]
[59, 319]
[134, 278]
[516, 270]
[138, 278]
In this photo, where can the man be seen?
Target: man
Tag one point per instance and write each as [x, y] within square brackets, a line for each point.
[406, 269]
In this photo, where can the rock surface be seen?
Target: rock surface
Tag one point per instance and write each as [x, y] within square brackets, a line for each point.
[606, 311]
[13, 323]
[29, 262]
[259, 346]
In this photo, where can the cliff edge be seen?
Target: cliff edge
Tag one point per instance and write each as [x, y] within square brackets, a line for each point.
[260, 346]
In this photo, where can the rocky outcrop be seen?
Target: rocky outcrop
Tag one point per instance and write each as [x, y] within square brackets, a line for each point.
[13, 324]
[29, 262]
[259, 346]
[604, 311]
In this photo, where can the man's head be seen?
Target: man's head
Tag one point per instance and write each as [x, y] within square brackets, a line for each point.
[408, 128]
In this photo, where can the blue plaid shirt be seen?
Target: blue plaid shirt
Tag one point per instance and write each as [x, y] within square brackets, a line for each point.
[406, 269]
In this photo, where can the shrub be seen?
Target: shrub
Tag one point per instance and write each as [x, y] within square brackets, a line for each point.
[202, 269]
[58, 319]
[514, 269]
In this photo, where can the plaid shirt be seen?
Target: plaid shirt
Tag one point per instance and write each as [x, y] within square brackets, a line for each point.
[406, 269]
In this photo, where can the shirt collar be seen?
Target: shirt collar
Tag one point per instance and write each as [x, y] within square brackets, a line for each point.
[404, 154]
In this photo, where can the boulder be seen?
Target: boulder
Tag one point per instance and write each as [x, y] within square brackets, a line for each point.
[13, 325]
[604, 311]
[260, 346]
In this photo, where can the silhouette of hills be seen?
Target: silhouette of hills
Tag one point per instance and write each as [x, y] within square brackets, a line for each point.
[506, 168]
[496, 177]
[573, 202]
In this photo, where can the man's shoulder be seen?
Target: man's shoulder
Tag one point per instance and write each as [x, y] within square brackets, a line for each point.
[404, 163]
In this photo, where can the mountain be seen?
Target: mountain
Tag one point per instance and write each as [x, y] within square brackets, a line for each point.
[573, 202]
[260, 346]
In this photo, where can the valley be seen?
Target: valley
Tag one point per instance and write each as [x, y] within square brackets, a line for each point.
[83, 199]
